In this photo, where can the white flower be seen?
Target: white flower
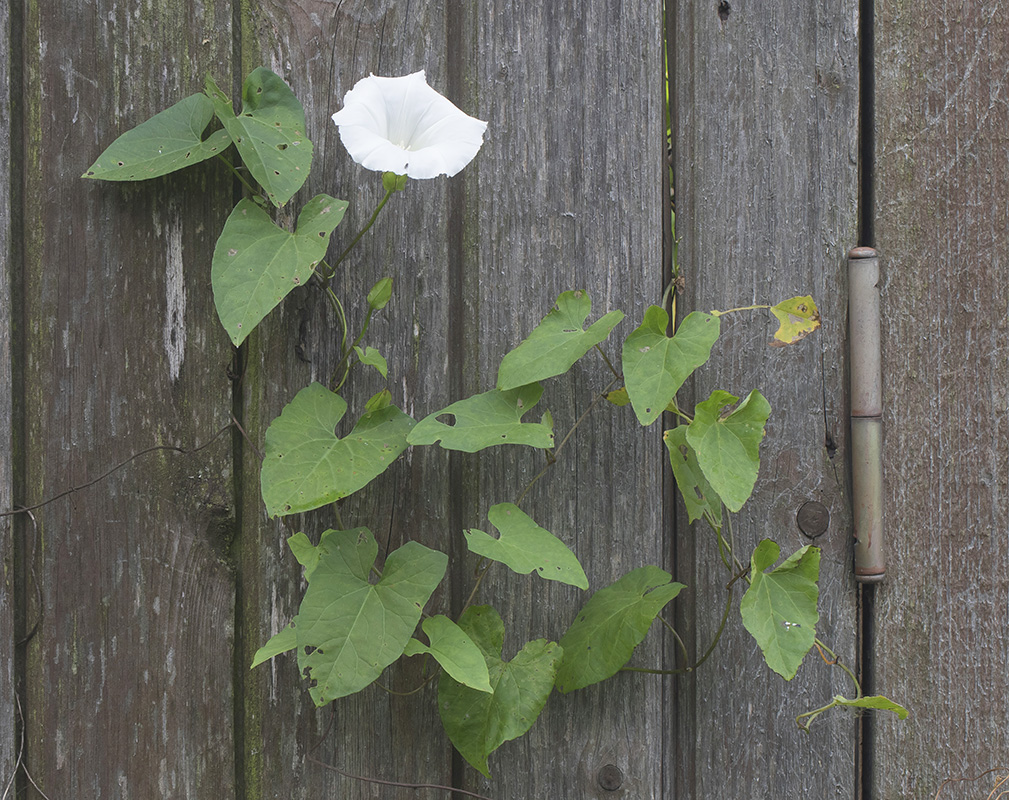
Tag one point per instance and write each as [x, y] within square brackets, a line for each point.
[402, 125]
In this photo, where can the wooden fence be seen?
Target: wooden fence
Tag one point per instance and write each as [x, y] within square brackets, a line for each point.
[130, 608]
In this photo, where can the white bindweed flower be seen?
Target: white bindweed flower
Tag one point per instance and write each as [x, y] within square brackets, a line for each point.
[402, 125]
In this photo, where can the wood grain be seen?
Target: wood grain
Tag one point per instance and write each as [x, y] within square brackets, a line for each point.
[766, 189]
[129, 690]
[942, 227]
[322, 50]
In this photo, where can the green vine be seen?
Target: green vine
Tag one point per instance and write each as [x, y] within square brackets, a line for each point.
[357, 619]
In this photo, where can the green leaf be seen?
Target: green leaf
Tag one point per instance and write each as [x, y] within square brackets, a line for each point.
[485, 420]
[167, 142]
[779, 608]
[874, 701]
[372, 358]
[656, 365]
[618, 397]
[611, 624]
[380, 294]
[256, 263]
[307, 466]
[348, 629]
[728, 445]
[556, 343]
[798, 317]
[698, 496]
[455, 651]
[280, 642]
[524, 546]
[378, 401]
[478, 723]
[269, 133]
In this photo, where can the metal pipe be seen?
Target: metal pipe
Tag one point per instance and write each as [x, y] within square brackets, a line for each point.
[866, 414]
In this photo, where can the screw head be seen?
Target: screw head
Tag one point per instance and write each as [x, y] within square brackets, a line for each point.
[813, 519]
[610, 777]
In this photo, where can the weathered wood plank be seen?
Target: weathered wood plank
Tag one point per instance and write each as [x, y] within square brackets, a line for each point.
[942, 227]
[130, 674]
[568, 194]
[8, 738]
[766, 190]
[323, 50]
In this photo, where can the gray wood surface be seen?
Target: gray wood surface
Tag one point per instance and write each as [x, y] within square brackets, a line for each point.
[129, 677]
[766, 191]
[942, 632]
[8, 734]
[322, 54]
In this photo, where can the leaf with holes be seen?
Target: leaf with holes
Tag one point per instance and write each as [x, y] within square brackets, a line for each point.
[478, 723]
[167, 142]
[798, 318]
[556, 343]
[611, 624]
[454, 650]
[779, 608]
[524, 546]
[485, 420]
[698, 496]
[269, 133]
[728, 445]
[307, 466]
[349, 629]
[656, 365]
[256, 263]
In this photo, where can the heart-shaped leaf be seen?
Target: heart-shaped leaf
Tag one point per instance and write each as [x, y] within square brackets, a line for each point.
[478, 723]
[348, 629]
[779, 608]
[556, 343]
[269, 133]
[307, 466]
[698, 496]
[371, 357]
[454, 650]
[728, 445]
[611, 624]
[524, 546]
[486, 420]
[798, 317]
[656, 365]
[168, 141]
[256, 263]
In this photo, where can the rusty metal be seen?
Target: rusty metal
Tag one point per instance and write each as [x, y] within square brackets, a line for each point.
[866, 383]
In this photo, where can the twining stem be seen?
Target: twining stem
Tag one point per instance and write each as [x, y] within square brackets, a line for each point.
[238, 174]
[679, 641]
[389, 193]
[552, 457]
[616, 373]
[334, 301]
[347, 351]
[834, 661]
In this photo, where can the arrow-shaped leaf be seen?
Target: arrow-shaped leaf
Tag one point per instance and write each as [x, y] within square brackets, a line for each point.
[454, 650]
[485, 420]
[256, 263]
[556, 343]
[269, 133]
[348, 629]
[524, 546]
[656, 365]
[611, 624]
[779, 608]
[168, 141]
[478, 723]
[698, 496]
[874, 701]
[728, 445]
[307, 466]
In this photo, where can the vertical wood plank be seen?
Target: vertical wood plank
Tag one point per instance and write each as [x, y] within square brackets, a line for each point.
[8, 739]
[130, 673]
[322, 49]
[942, 226]
[766, 191]
[568, 194]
